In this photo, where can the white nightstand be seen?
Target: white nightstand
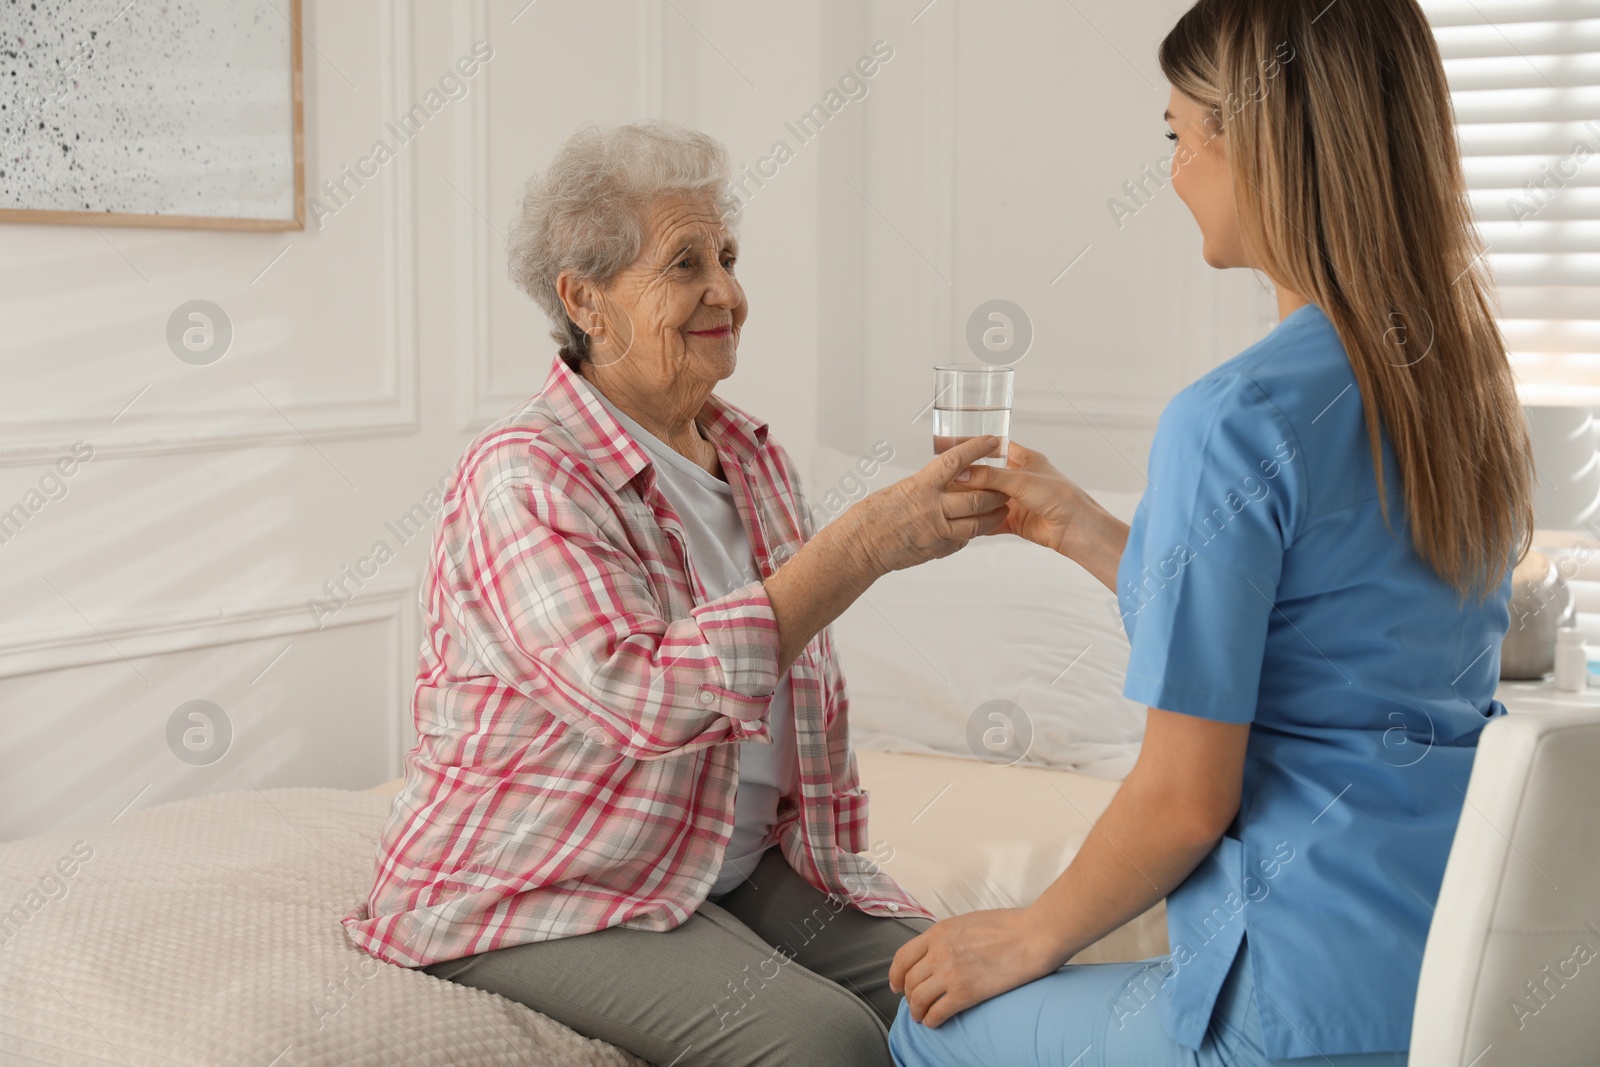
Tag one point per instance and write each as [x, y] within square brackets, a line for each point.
[1545, 697]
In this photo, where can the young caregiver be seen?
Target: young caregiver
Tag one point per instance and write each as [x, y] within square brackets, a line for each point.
[1314, 587]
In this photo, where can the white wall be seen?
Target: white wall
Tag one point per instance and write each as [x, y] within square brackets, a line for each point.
[367, 349]
[992, 155]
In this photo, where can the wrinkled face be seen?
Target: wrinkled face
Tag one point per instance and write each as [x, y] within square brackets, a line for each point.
[675, 313]
[1202, 180]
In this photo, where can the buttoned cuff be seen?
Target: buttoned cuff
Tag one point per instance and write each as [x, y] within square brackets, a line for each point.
[742, 632]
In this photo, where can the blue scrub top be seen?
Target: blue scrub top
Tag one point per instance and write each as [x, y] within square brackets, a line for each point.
[1261, 585]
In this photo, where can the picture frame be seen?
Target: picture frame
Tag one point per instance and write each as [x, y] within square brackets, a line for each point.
[217, 140]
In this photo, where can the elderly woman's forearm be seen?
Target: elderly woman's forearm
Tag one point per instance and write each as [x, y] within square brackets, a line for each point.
[919, 518]
[815, 586]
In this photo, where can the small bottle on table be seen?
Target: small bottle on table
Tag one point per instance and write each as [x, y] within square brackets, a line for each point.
[1572, 662]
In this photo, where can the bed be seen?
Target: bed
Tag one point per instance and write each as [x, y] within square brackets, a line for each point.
[206, 931]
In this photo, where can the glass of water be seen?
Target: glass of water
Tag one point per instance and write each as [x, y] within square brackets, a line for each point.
[972, 400]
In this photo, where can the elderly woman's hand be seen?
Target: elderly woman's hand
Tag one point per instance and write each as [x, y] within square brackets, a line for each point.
[925, 516]
[1048, 508]
[912, 521]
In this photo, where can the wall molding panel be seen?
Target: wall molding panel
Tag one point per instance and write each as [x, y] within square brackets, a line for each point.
[394, 409]
[936, 44]
[35, 650]
[484, 401]
[480, 403]
[652, 58]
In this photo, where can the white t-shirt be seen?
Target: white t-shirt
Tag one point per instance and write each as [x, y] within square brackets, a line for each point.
[720, 552]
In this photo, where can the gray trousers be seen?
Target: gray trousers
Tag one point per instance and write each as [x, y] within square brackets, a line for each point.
[771, 973]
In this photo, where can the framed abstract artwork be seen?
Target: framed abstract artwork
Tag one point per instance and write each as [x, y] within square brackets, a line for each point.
[122, 114]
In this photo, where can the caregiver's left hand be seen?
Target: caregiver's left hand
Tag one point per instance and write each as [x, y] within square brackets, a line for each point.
[967, 959]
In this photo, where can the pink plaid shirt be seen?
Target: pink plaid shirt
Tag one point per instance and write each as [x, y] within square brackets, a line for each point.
[578, 700]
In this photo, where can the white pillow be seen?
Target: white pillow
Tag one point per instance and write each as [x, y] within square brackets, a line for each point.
[1004, 651]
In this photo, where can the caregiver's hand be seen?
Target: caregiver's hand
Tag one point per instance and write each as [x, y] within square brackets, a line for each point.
[965, 960]
[1048, 508]
[925, 516]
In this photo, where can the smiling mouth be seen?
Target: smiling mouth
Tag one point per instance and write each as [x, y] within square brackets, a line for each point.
[719, 331]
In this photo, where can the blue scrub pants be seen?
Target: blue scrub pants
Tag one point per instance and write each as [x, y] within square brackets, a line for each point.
[1098, 1015]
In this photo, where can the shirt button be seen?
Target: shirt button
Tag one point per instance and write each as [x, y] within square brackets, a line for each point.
[706, 697]
[894, 907]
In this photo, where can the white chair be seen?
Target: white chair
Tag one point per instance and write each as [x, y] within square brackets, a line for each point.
[1511, 971]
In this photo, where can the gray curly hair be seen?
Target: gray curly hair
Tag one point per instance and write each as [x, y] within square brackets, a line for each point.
[585, 213]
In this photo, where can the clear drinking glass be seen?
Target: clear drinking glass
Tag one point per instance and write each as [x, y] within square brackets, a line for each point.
[972, 400]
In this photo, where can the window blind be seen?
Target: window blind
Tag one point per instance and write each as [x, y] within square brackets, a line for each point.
[1525, 79]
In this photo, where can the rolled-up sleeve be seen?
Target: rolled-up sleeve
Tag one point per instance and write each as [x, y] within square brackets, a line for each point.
[551, 593]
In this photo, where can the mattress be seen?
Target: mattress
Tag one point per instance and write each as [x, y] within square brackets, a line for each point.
[207, 931]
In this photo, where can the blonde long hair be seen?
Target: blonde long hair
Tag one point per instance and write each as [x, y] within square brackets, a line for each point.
[1341, 141]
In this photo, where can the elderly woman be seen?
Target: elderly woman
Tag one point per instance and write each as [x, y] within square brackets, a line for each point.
[628, 693]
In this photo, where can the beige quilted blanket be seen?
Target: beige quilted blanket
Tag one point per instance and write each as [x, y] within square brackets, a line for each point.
[207, 932]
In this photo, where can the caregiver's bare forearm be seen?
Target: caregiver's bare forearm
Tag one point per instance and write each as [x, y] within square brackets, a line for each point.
[1095, 541]
[1136, 854]
[816, 585]
[1171, 810]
